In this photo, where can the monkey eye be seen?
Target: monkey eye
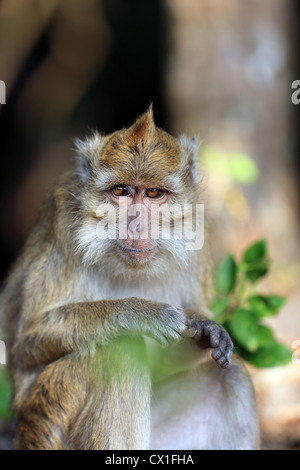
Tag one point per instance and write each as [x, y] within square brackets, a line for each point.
[154, 193]
[120, 191]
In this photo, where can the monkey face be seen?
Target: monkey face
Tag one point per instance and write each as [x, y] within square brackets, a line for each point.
[137, 206]
[129, 179]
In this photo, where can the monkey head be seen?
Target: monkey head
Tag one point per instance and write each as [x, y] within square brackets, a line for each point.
[127, 180]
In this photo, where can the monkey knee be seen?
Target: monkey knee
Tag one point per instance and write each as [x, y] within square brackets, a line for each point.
[48, 407]
[38, 433]
[237, 376]
[236, 405]
[238, 384]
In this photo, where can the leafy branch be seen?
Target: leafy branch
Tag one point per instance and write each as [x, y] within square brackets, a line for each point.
[241, 310]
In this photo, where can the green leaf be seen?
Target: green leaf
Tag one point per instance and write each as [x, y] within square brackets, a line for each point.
[258, 270]
[275, 302]
[215, 161]
[243, 169]
[5, 394]
[264, 335]
[255, 252]
[240, 352]
[219, 306]
[225, 276]
[235, 166]
[264, 306]
[271, 355]
[244, 329]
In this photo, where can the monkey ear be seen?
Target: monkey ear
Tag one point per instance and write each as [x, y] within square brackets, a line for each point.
[190, 147]
[87, 154]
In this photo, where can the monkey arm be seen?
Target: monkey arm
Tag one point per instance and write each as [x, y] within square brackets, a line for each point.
[79, 327]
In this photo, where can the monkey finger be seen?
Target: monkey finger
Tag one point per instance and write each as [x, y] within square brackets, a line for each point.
[229, 350]
[214, 331]
[220, 358]
[224, 365]
[223, 343]
[222, 353]
[226, 345]
[217, 354]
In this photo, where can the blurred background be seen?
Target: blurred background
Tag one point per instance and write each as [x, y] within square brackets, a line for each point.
[220, 69]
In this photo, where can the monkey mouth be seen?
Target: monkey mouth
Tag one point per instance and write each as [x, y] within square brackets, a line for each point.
[137, 253]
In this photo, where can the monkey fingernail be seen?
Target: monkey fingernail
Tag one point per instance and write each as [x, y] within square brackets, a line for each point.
[216, 354]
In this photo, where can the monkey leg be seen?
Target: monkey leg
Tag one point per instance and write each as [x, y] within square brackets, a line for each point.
[100, 401]
[49, 405]
[206, 408]
[117, 414]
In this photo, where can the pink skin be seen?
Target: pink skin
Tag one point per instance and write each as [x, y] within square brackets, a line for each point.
[137, 253]
[138, 247]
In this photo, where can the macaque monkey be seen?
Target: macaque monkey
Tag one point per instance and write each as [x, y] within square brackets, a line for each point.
[109, 338]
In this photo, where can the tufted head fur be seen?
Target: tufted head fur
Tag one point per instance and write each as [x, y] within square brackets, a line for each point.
[142, 152]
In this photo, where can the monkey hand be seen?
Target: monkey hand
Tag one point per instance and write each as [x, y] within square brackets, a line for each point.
[210, 334]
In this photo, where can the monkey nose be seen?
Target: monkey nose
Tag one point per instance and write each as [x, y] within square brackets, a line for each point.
[138, 231]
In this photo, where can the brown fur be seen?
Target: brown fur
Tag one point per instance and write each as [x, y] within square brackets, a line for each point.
[143, 152]
[76, 311]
